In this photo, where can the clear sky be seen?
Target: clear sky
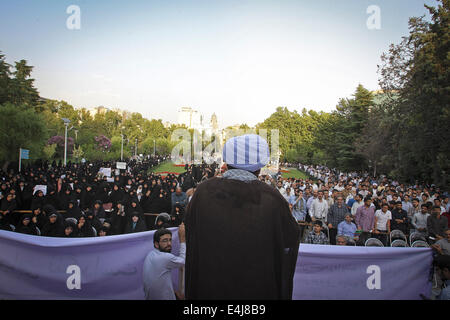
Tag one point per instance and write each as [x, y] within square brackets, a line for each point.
[238, 58]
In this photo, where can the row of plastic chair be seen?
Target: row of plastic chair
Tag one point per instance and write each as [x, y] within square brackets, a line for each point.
[398, 239]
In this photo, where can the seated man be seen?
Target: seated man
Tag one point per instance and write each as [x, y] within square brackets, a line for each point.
[347, 227]
[179, 197]
[316, 236]
[341, 240]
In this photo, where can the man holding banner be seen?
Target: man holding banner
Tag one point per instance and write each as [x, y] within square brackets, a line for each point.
[159, 263]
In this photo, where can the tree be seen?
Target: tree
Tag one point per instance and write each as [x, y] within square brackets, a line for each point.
[17, 87]
[49, 151]
[20, 127]
[60, 142]
[418, 70]
[78, 153]
[5, 81]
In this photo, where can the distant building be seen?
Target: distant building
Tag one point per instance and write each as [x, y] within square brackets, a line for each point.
[102, 110]
[191, 118]
[214, 123]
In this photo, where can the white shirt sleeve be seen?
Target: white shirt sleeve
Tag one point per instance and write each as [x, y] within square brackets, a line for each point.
[178, 261]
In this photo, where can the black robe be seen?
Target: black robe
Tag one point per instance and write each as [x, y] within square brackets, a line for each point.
[242, 242]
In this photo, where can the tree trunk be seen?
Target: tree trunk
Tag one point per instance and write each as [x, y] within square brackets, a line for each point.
[5, 165]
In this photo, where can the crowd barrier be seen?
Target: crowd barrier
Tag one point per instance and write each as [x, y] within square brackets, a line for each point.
[36, 267]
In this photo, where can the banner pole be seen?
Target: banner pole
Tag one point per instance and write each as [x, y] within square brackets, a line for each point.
[20, 158]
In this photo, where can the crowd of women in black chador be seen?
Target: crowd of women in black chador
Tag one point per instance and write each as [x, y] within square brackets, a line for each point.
[81, 203]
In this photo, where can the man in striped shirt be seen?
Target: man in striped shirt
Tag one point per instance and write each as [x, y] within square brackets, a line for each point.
[336, 214]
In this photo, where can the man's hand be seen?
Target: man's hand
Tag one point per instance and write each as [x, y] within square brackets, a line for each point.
[437, 248]
[179, 295]
[182, 232]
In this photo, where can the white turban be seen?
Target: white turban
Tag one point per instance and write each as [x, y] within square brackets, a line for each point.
[248, 152]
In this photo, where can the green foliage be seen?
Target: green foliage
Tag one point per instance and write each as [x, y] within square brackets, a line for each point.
[20, 127]
[49, 151]
[78, 153]
[417, 71]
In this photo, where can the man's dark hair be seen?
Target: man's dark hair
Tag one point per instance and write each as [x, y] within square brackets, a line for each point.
[442, 261]
[318, 222]
[159, 233]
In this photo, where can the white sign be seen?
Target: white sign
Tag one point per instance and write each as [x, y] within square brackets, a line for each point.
[121, 165]
[105, 171]
[41, 187]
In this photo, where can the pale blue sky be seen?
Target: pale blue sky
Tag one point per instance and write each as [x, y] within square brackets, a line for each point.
[239, 59]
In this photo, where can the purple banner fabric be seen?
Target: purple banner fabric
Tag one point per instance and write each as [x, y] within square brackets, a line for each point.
[361, 273]
[33, 267]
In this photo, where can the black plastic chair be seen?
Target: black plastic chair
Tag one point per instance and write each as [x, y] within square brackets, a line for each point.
[373, 242]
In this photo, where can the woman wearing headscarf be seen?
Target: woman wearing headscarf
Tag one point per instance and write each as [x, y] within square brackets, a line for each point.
[118, 219]
[84, 228]
[161, 201]
[52, 197]
[54, 227]
[38, 199]
[4, 225]
[69, 229]
[87, 197]
[38, 217]
[27, 226]
[73, 210]
[65, 196]
[134, 206]
[116, 195]
[7, 207]
[97, 210]
[93, 220]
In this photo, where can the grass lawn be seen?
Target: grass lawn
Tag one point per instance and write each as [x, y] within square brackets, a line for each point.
[294, 173]
[167, 166]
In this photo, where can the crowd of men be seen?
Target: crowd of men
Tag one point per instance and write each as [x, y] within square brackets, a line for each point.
[351, 207]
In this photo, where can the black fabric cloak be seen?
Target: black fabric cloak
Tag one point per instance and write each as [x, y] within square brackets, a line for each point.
[242, 242]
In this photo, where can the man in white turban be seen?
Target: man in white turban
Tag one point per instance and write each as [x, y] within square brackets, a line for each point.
[242, 240]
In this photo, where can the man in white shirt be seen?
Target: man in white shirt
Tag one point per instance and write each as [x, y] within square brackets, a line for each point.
[382, 223]
[340, 186]
[358, 203]
[310, 201]
[319, 208]
[159, 263]
[280, 188]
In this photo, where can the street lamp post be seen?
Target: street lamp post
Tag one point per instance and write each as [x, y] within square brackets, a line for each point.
[121, 148]
[66, 123]
[135, 149]
[154, 147]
